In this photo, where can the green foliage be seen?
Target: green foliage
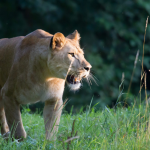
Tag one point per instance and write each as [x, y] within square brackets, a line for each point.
[111, 31]
[110, 129]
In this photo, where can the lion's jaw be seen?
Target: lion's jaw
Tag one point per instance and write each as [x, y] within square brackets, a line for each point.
[73, 82]
[74, 79]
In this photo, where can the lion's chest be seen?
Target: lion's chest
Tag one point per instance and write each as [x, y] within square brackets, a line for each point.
[34, 94]
[40, 92]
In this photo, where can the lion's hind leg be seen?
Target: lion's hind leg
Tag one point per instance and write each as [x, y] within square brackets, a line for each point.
[13, 117]
[3, 123]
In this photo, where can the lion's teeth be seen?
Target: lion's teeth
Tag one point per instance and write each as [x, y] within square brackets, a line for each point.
[77, 79]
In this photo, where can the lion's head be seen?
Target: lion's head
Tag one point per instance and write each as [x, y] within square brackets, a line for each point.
[67, 59]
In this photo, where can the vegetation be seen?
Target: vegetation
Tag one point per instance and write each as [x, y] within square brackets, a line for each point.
[110, 129]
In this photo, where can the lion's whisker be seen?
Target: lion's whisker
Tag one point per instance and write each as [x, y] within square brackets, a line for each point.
[91, 77]
[88, 82]
[94, 77]
[81, 81]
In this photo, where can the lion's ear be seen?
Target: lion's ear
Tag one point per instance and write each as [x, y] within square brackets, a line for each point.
[74, 36]
[57, 41]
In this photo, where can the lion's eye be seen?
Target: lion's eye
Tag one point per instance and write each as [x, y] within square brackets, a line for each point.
[72, 54]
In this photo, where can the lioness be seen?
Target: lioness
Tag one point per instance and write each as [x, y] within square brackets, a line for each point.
[34, 68]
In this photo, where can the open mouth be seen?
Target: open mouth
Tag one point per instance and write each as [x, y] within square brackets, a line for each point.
[72, 79]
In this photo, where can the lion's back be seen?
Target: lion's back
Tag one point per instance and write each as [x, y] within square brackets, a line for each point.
[21, 46]
[7, 52]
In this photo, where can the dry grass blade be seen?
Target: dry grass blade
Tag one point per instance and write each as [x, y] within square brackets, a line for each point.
[141, 88]
[145, 89]
[65, 102]
[144, 43]
[123, 76]
[142, 75]
[72, 138]
[56, 104]
[142, 72]
[73, 127]
[135, 62]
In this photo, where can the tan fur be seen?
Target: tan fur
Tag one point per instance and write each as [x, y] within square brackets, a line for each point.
[31, 71]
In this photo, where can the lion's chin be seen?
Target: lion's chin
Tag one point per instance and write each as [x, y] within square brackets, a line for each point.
[74, 87]
[73, 82]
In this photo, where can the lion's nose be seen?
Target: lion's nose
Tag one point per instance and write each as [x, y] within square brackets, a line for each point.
[87, 68]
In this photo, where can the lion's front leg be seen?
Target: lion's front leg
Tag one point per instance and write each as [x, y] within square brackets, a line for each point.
[52, 113]
[13, 117]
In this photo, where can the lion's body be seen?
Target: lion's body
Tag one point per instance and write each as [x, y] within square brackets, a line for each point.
[28, 73]
[31, 71]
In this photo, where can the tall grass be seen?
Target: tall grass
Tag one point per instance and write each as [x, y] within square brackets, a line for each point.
[110, 129]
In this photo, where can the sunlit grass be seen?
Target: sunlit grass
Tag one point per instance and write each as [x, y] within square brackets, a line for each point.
[121, 128]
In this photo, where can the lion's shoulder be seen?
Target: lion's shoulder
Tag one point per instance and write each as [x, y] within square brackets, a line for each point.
[29, 39]
[39, 33]
[34, 37]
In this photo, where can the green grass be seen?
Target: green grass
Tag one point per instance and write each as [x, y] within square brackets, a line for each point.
[110, 129]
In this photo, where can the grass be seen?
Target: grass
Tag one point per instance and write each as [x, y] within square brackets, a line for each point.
[110, 129]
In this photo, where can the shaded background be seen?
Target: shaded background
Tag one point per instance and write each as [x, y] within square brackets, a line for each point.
[111, 33]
